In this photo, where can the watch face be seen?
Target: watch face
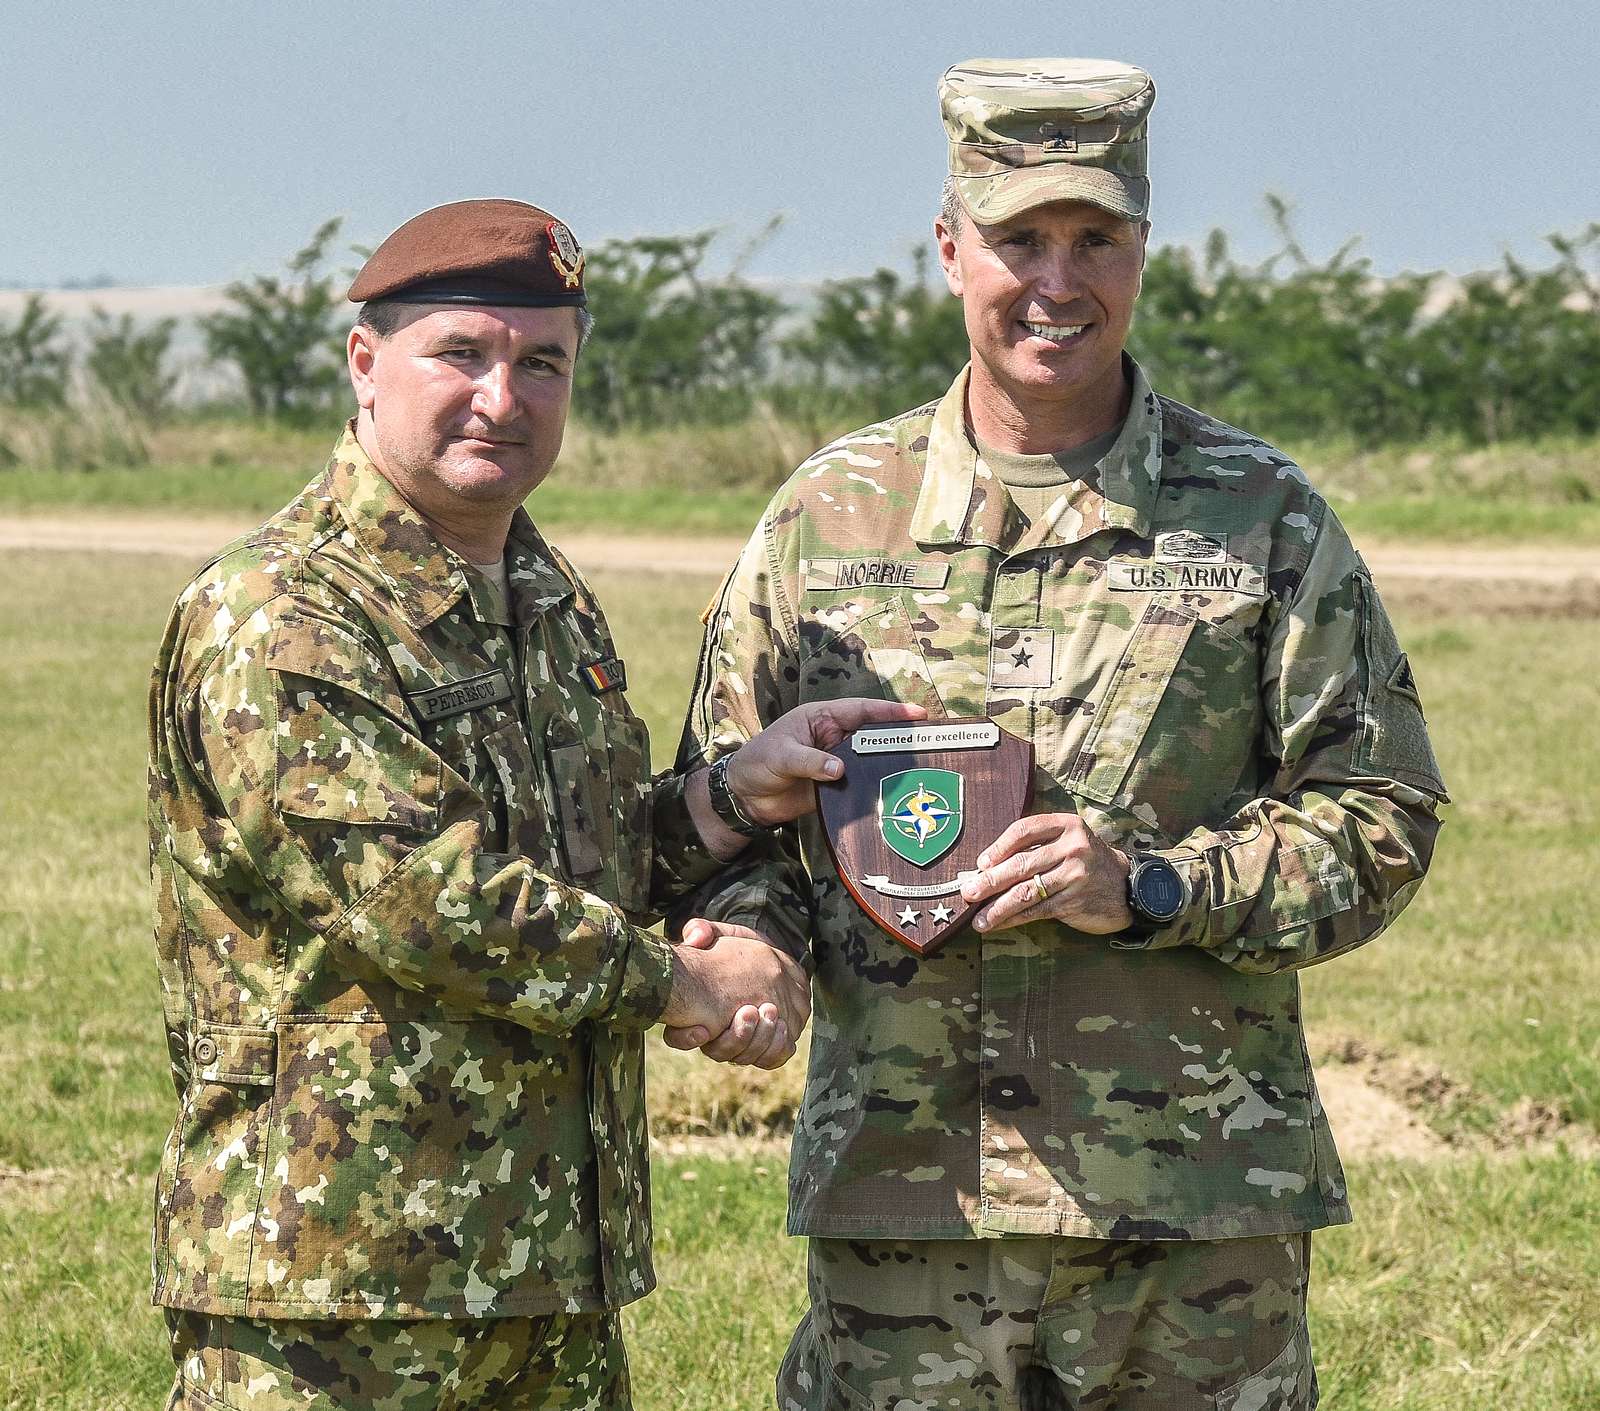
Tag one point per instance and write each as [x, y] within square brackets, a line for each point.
[1158, 890]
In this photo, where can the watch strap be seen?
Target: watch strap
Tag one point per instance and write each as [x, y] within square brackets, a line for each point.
[723, 803]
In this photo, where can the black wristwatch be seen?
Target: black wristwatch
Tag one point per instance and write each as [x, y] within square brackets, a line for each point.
[723, 803]
[1156, 892]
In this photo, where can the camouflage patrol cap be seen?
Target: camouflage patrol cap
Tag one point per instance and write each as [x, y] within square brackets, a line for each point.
[1024, 132]
[476, 252]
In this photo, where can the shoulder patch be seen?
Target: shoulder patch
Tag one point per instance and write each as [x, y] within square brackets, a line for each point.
[1403, 681]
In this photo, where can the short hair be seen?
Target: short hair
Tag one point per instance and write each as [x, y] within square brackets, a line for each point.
[383, 317]
[951, 211]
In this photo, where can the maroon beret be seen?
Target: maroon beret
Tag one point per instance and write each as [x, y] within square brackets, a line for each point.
[476, 252]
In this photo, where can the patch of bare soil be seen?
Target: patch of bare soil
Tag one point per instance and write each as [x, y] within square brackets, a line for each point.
[196, 538]
[1379, 1084]
[1367, 1121]
[1492, 595]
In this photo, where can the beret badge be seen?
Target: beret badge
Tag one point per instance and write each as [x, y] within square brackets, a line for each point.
[565, 255]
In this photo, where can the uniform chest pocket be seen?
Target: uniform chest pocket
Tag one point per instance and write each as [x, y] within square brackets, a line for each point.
[1178, 719]
[628, 743]
[601, 789]
[874, 654]
[576, 793]
[509, 778]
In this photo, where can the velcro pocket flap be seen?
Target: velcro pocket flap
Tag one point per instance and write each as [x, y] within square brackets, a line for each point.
[875, 655]
[325, 652]
[1394, 737]
[1123, 715]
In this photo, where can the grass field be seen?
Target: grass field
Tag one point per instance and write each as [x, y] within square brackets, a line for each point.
[714, 480]
[1471, 1281]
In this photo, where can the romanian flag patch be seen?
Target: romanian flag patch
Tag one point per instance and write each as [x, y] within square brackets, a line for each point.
[607, 674]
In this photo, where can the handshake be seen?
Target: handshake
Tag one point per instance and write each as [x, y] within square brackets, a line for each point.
[735, 996]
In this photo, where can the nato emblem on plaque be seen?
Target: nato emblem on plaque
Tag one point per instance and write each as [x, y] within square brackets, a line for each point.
[916, 806]
[919, 811]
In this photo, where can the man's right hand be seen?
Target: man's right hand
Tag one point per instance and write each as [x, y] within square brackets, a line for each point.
[731, 988]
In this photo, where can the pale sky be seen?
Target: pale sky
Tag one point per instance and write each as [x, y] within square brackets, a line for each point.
[174, 142]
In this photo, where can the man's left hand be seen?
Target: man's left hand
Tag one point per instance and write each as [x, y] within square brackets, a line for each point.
[1051, 867]
[772, 775]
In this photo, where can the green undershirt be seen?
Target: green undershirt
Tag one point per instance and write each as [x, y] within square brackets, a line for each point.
[1034, 482]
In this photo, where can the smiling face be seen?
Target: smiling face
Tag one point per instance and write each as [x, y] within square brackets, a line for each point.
[1047, 297]
[463, 408]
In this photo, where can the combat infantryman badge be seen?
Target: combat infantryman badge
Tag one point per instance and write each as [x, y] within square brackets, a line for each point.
[916, 806]
[565, 254]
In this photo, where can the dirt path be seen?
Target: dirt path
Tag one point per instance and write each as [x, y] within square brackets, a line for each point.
[195, 536]
[192, 537]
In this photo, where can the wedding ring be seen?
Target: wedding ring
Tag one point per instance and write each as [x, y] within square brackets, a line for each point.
[1040, 887]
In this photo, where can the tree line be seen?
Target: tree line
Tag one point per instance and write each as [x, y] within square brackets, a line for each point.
[1290, 346]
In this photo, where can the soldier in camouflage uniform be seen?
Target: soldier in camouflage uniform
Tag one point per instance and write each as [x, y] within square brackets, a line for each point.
[1073, 1158]
[404, 840]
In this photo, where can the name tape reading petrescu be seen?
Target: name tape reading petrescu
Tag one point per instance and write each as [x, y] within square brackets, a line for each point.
[891, 739]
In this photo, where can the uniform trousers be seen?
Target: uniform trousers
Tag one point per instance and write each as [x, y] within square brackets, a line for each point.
[1053, 1324]
[557, 1362]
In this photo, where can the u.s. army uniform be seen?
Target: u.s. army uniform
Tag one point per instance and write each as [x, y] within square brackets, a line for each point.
[403, 840]
[1203, 667]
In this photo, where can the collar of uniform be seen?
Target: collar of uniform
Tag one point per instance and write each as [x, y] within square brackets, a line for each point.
[426, 577]
[963, 502]
[488, 605]
[537, 583]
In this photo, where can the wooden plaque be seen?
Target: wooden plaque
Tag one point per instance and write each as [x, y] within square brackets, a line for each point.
[917, 804]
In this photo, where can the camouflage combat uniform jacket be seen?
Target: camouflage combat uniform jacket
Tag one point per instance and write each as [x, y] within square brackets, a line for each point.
[1198, 656]
[401, 841]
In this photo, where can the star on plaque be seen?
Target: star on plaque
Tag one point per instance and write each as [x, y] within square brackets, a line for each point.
[908, 917]
[940, 914]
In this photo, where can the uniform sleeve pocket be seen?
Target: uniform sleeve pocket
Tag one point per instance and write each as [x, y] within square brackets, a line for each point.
[340, 758]
[1302, 885]
[628, 742]
[1123, 714]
